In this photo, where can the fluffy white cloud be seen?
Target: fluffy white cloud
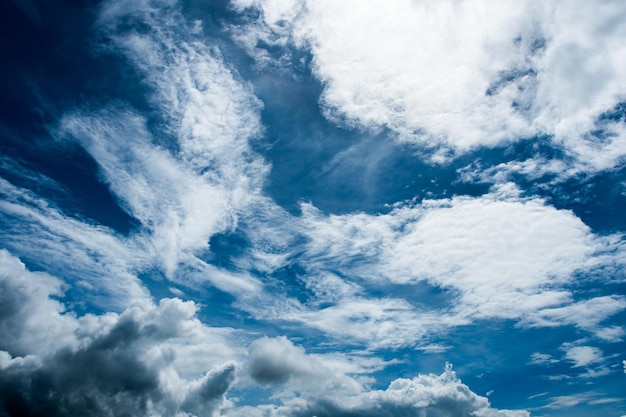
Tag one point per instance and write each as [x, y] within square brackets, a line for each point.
[463, 74]
[498, 256]
[31, 322]
[582, 355]
[504, 257]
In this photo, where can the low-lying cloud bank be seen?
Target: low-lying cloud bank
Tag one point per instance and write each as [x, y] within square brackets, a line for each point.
[160, 360]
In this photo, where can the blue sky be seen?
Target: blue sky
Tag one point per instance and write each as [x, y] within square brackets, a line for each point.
[313, 208]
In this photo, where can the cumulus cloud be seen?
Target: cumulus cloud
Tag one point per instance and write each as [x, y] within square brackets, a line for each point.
[56, 363]
[30, 321]
[159, 359]
[528, 68]
[274, 361]
[427, 394]
[582, 355]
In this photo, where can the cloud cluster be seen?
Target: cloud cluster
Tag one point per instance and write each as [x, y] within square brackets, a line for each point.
[160, 360]
[196, 188]
[495, 256]
[148, 360]
[484, 73]
[333, 393]
[463, 74]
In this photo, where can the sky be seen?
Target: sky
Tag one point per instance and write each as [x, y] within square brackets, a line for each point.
[313, 208]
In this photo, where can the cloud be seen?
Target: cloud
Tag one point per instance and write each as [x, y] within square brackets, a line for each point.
[30, 321]
[586, 314]
[159, 359]
[582, 355]
[495, 256]
[428, 394]
[493, 252]
[569, 401]
[411, 67]
[56, 363]
[197, 185]
[185, 177]
[374, 323]
[275, 361]
[499, 256]
[91, 256]
[542, 359]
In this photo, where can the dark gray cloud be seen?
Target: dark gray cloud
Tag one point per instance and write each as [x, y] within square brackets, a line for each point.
[105, 378]
[108, 365]
[275, 361]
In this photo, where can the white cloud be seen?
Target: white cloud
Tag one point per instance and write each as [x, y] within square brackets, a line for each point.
[582, 355]
[542, 359]
[199, 185]
[499, 256]
[32, 323]
[375, 323]
[462, 74]
[586, 314]
[569, 401]
[91, 256]
[504, 257]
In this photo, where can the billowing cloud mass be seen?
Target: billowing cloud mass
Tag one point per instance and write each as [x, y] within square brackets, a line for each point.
[464, 74]
[136, 362]
[294, 208]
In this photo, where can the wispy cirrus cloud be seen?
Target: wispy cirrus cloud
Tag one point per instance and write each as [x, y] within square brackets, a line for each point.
[90, 256]
[197, 186]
